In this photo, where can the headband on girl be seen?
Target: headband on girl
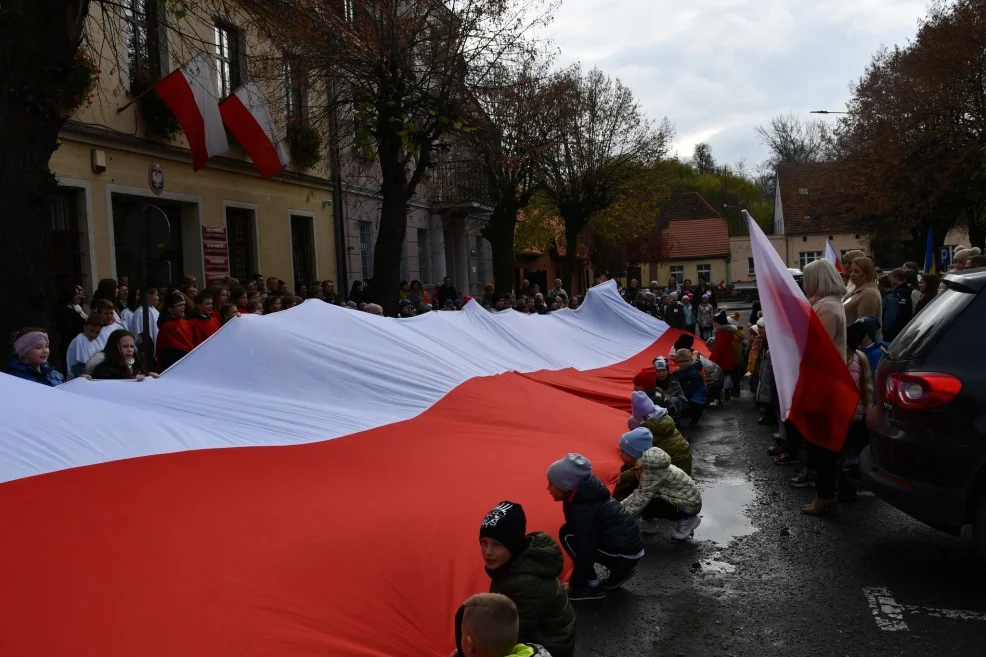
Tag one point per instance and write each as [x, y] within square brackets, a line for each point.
[29, 341]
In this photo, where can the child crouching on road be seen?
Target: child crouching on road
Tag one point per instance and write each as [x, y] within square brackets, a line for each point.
[662, 427]
[691, 376]
[664, 491]
[597, 529]
[486, 625]
[525, 568]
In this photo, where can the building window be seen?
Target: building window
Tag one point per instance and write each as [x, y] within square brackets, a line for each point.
[480, 262]
[808, 256]
[240, 224]
[424, 262]
[143, 39]
[678, 271]
[751, 270]
[404, 271]
[303, 250]
[704, 271]
[296, 91]
[366, 250]
[228, 59]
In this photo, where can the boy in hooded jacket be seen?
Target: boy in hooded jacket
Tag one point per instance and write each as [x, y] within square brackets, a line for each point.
[597, 529]
[663, 490]
[486, 625]
[525, 568]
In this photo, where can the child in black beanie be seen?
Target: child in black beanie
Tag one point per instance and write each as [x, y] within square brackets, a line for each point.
[525, 568]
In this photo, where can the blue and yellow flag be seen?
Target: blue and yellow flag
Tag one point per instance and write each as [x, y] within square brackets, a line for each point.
[929, 255]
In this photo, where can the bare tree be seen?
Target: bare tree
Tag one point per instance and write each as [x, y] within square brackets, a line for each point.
[401, 70]
[516, 125]
[793, 139]
[604, 142]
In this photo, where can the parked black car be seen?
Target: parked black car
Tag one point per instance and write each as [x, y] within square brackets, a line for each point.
[927, 451]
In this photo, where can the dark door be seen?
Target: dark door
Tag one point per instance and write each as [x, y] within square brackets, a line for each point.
[239, 232]
[303, 250]
[122, 207]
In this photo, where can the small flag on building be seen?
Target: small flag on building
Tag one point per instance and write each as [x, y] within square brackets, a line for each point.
[814, 387]
[247, 115]
[189, 93]
[832, 256]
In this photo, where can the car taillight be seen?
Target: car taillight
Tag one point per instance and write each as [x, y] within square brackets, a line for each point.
[919, 390]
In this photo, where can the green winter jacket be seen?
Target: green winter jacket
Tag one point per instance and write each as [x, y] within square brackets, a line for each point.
[668, 438]
[531, 580]
[660, 479]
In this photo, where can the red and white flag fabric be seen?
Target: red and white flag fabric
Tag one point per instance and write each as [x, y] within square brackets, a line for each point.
[814, 386]
[832, 256]
[305, 483]
[247, 115]
[190, 94]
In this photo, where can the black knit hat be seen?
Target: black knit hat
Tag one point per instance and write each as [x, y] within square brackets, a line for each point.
[507, 524]
[721, 318]
[684, 341]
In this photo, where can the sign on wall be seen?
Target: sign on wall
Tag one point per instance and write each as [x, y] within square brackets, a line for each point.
[215, 249]
[155, 178]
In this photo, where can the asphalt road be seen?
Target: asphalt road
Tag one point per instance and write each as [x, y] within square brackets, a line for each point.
[762, 579]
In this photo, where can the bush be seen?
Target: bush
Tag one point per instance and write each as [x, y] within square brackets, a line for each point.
[305, 143]
[154, 111]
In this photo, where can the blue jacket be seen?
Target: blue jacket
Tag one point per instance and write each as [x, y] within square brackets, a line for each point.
[48, 375]
[873, 354]
[693, 383]
[891, 302]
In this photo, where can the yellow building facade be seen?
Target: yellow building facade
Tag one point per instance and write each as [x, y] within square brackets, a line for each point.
[111, 161]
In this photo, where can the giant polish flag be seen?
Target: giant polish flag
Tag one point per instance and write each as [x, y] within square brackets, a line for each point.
[815, 388]
[304, 483]
[190, 94]
[247, 115]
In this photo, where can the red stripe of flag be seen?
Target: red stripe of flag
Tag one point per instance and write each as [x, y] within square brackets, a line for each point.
[175, 91]
[251, 136]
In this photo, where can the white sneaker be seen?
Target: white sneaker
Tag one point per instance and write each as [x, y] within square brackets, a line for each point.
[647, 527]
[685, 527]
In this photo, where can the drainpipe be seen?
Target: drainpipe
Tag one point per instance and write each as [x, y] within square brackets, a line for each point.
[338, 216]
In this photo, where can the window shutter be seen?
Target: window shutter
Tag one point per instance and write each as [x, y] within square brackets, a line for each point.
[242, 72]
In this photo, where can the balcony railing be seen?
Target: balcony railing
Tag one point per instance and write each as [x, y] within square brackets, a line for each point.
[459, 182]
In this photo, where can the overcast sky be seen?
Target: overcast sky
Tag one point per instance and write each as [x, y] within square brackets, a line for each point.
[719, 68]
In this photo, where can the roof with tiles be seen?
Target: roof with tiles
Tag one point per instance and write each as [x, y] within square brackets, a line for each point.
[810, 199]
[692, 228]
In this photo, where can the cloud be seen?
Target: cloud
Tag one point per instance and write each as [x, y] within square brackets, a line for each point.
[719, 68]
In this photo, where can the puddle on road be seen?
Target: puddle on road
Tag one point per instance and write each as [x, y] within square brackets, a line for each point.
[716, 567]
[722, 513]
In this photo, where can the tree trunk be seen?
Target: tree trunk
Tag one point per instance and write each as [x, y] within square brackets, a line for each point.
[38, 41]
[977, 232]
[499, 231]
[385, 287]
[570, 262]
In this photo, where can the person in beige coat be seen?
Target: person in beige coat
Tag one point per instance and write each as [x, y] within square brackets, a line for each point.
[825, 289]
[847, 260]
[864, 300]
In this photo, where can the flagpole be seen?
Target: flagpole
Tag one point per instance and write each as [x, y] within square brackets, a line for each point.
[135, 99]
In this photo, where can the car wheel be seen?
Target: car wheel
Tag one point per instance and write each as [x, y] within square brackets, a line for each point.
[979, 528]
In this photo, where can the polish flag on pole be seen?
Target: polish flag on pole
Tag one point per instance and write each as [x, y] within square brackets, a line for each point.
[247, 115]
[814, 386]
[833, 257]
[189, 93]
